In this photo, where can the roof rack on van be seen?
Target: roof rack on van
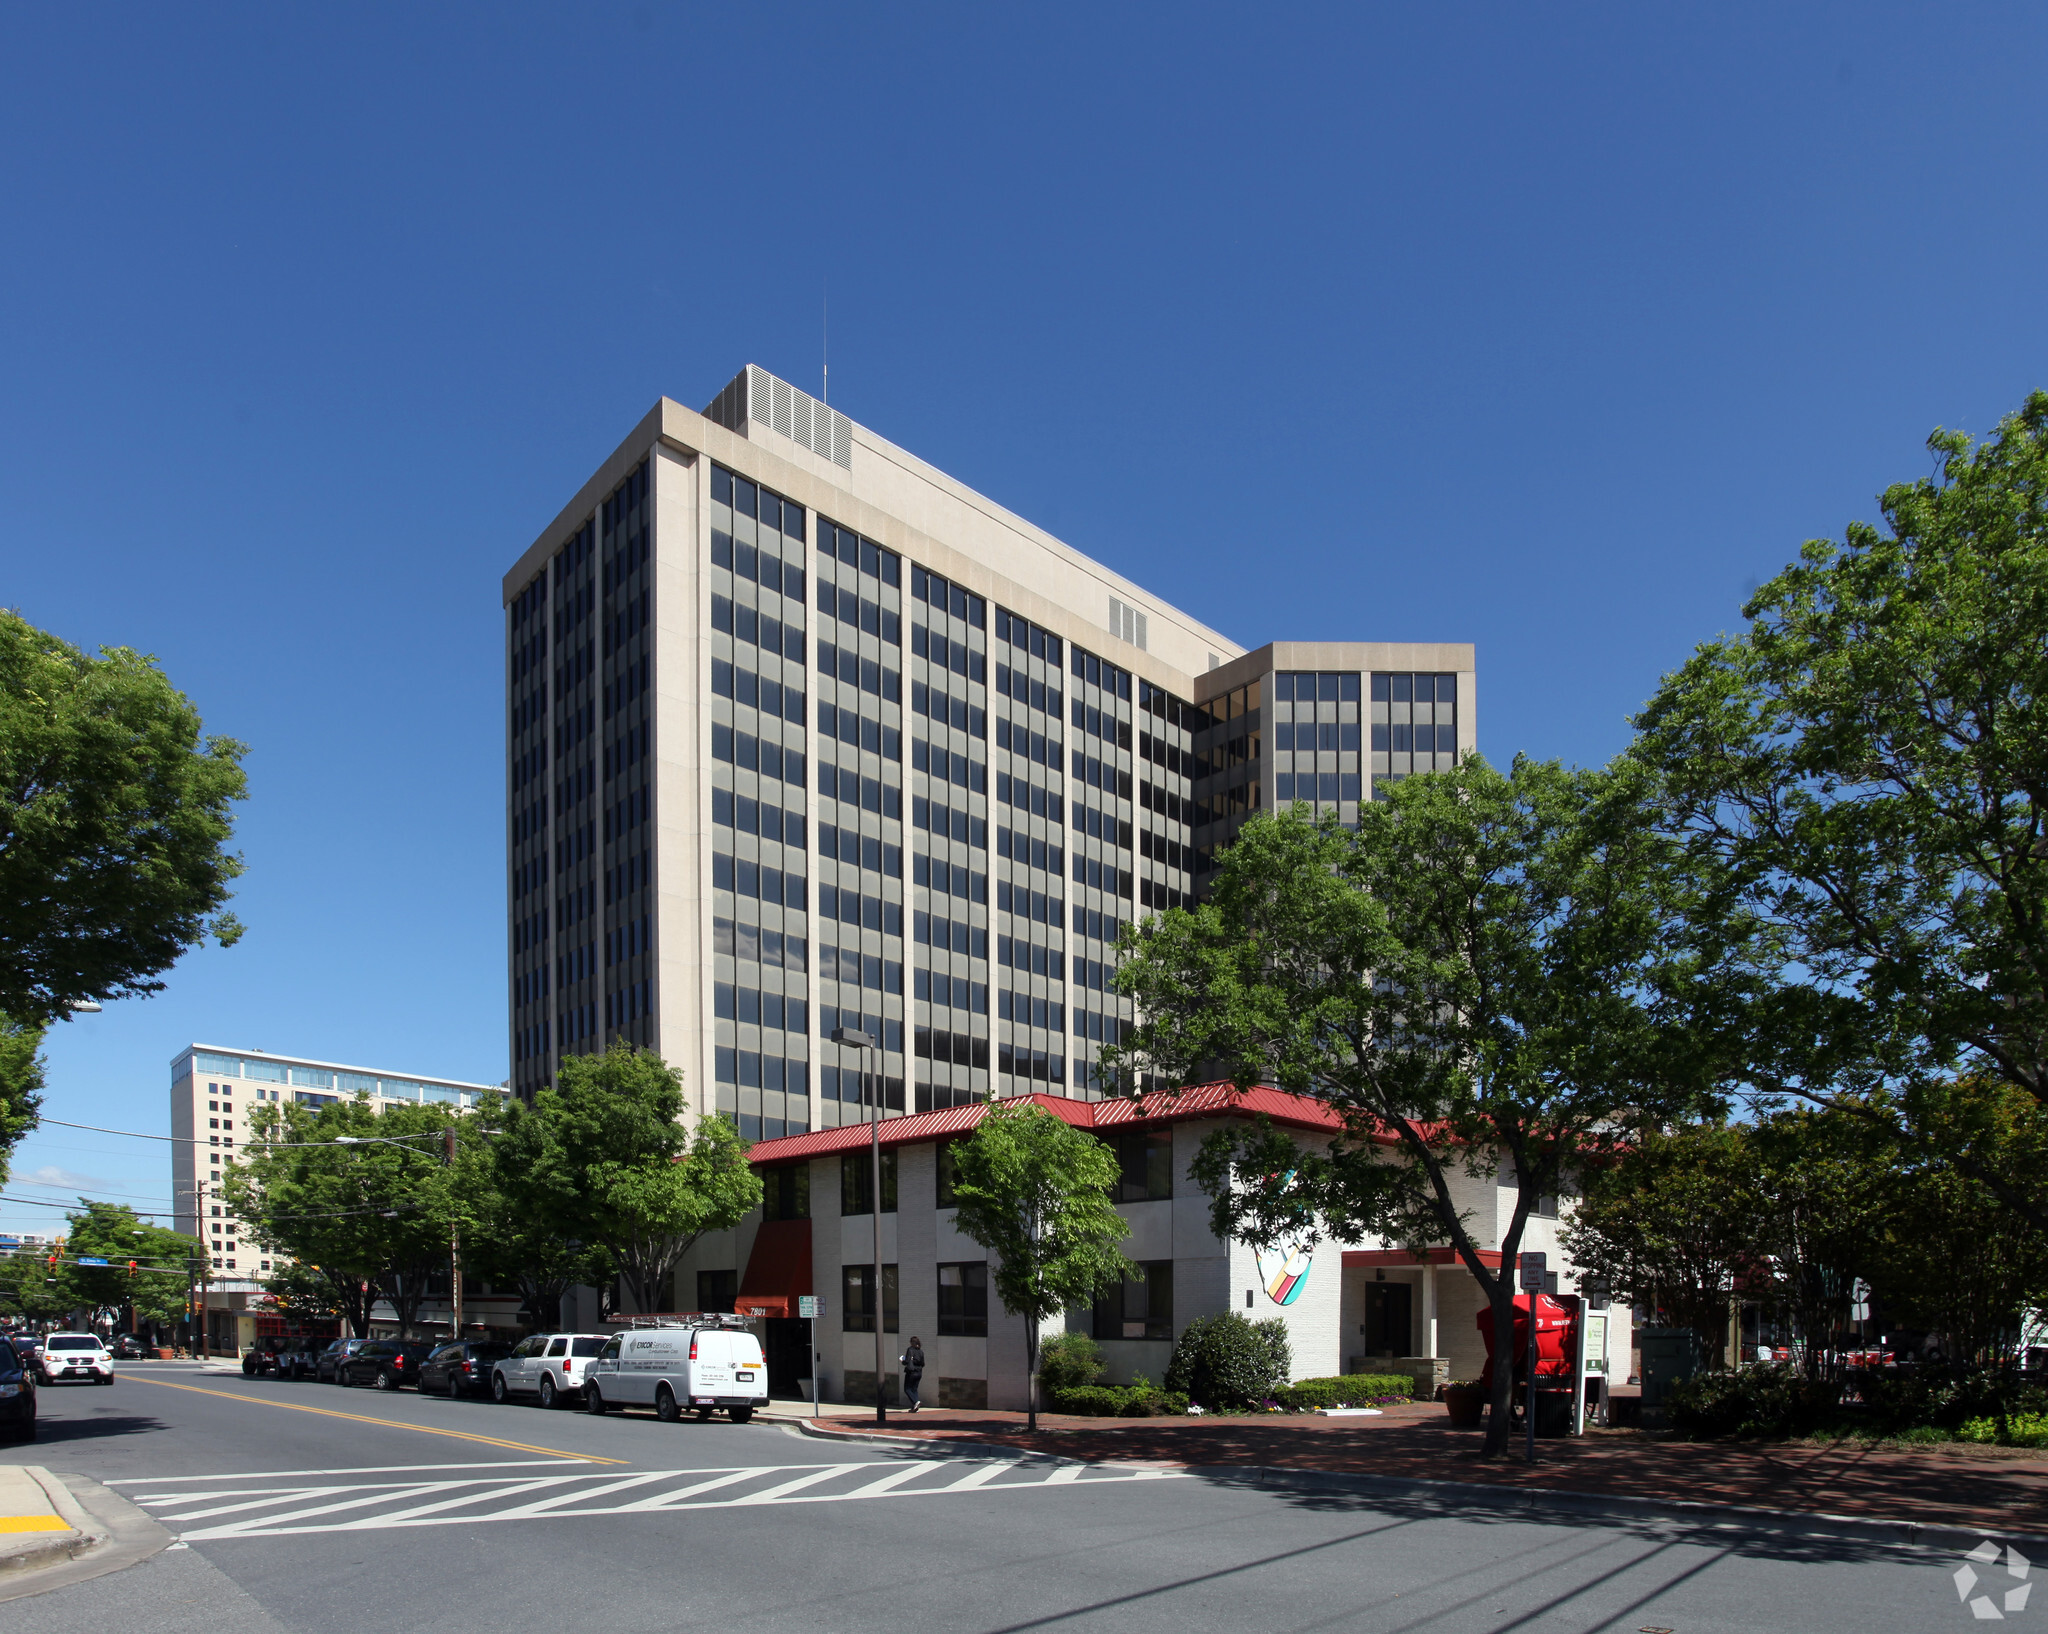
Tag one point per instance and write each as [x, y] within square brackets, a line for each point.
[681, 1319]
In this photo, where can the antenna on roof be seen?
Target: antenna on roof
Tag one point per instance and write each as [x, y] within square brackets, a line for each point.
[825, 344]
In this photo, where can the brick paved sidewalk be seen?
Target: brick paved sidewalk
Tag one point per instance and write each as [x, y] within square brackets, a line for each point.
[1997, 1487]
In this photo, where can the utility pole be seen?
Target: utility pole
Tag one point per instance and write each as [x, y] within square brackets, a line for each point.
[454, 1246]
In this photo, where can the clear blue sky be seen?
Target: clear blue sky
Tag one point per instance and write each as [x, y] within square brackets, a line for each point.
[1552, 329]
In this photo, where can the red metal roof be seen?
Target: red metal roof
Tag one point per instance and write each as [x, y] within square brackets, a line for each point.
[1162, 1106]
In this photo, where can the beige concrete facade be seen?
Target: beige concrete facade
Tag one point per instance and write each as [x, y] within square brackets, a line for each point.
[614, 917]
[215, 1089]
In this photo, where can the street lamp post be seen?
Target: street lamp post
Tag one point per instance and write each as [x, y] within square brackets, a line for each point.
[865, 1043]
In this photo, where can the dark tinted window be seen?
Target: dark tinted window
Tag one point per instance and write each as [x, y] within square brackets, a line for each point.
[587, 1347]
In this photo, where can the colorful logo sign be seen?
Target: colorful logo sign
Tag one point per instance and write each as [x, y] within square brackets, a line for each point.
[1284, 1271]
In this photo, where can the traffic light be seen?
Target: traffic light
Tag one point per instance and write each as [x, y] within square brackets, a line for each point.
[131, 1268]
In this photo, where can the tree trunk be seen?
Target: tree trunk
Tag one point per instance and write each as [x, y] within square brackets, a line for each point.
[1499, 1421]
[1031, 1374]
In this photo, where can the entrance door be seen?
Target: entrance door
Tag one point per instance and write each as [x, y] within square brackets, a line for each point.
[787, 1348]
[1389, 1312]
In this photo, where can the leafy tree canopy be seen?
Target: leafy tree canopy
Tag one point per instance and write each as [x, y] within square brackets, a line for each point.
[363, 1197]
[1870, 758]
[114, 815]
[608, 1164]
[1492, 969]
[21, 1083]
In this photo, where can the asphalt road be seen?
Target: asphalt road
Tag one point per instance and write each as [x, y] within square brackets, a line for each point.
[314, 1510]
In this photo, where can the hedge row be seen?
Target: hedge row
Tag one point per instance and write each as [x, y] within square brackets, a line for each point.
[1351, 1390]
[1116, 1401]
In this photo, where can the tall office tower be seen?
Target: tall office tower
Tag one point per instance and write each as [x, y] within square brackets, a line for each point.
[804, 733]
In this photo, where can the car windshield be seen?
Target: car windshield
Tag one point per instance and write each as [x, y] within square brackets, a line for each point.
[587, 1347]
[74, 1344]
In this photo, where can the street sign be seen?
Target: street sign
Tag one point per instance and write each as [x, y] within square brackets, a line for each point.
[88, 1259]
[1533, 1278]
[811, 1306]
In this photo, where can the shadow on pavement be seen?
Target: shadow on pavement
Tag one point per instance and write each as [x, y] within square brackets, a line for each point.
[1760, 1540]
[103, 1423]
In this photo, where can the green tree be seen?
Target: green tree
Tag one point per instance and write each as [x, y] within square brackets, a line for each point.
[362, 1197]
[1870, 759]
[32, 1290]
[298, 1293]
[607, 1162]
[1034, 1191]
[509, 1231]
[114, 815]
[1491, 971]
[21, 1083]
[154, 1289]
[1673, 1223]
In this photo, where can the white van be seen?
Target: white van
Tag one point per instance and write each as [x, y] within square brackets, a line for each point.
[684, 1368]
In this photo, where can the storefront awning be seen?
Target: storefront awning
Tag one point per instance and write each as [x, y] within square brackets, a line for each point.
[778, 1270]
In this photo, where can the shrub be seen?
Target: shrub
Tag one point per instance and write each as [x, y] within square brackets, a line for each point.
[1117, 1401]
[1946, 1397]
[1351, 1390]
[1771, 1399]
[2021, 1430]
[1225, 1362]
[1067, 1361]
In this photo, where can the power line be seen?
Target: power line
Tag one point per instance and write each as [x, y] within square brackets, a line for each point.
[194, 1140]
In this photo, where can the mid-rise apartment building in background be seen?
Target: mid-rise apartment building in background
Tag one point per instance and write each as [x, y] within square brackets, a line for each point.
[803, 733]
[214, 1091]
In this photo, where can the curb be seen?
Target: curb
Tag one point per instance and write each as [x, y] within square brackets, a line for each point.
[113, 1534]
[1555, 1500]
[53, 1550]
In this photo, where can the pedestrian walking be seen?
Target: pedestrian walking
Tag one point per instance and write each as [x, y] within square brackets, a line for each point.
[912, 1363]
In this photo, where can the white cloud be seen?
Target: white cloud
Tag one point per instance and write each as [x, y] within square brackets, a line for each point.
[62, 1179]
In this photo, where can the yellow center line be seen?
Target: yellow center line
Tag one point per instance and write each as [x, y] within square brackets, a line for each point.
[387, 1423]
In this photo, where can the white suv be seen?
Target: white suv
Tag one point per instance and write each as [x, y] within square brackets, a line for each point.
[549, 1366]
[76, 1356]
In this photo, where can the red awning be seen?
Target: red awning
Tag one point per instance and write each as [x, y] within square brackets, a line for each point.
[778, 1270]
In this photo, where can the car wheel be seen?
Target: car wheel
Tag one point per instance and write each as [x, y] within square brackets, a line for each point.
[548, 1398]
[454, 1385]
[382, 1380]
[665, 1407]
[741, 1415]
[593, 1402]
[109, 1379]
[704, 1414]
[345, 1378]
[248, 1370]
[499, 1393]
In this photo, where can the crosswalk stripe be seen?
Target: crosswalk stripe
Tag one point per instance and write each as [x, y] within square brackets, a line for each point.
[390, 1505]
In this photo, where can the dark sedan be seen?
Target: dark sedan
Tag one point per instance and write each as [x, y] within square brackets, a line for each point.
[460, 1369]
[17, 1394]
[327, 1365]
[386, 1364]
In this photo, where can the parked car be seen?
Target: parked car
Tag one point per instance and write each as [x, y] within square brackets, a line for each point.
[76, 1358]
[673, 1369]
[29, 1347]
[547, 1366]
[132, 1347]
[385, 1364]
[458, 1369]
[17, 1394]
[327, 1365]
[261, 1357]
[300, 1358]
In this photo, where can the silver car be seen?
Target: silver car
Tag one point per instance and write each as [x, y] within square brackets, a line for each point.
[548, 1366]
